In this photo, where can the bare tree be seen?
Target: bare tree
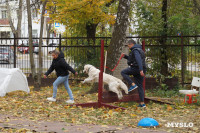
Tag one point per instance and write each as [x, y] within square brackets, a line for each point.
[49, 26]
[29, 15]
[40, 44]
[16, 31]
[36, 76]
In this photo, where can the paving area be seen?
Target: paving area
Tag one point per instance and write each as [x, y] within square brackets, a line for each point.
[63, 127]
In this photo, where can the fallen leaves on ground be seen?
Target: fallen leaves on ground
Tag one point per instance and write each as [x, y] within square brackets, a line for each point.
[35, 107]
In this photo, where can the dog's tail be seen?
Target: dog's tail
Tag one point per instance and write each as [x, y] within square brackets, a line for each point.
[123, 85]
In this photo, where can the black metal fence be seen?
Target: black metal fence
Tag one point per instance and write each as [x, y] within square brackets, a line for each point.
[180, 54]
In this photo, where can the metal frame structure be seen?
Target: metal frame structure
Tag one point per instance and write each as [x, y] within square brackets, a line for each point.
[99, 103]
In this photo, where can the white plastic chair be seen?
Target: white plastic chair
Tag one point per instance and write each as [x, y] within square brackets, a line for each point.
[195, 83]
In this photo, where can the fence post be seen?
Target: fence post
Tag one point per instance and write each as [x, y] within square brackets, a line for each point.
[182, 62]
[143, 48]
[59, 42]
[15, 51]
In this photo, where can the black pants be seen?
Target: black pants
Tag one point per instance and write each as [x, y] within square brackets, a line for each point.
[138, 79]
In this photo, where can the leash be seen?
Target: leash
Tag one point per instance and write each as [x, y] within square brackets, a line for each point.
[115, 65]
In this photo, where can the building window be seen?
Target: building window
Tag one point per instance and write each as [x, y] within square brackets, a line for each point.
[5, 34]
[4, 14]
[35, 33]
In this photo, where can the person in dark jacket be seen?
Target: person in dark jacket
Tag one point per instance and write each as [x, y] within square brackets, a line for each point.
[62, 71]
[137, 68]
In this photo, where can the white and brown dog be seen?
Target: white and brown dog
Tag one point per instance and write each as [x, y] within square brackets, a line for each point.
[114, 83]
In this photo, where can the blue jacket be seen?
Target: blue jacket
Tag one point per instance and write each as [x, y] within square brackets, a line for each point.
[136, 57]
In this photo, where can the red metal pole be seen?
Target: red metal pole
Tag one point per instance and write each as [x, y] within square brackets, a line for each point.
[143, 47]
[101, 75]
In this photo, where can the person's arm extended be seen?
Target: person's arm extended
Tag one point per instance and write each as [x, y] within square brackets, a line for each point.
[67, 66]
[49, 70]
[138, 59]
[125, 56]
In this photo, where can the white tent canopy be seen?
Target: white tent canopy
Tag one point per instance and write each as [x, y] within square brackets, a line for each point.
[12, 80]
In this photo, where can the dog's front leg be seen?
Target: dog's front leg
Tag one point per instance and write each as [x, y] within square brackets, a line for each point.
[87, 80]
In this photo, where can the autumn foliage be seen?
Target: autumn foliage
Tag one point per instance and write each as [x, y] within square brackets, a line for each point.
[73, 13]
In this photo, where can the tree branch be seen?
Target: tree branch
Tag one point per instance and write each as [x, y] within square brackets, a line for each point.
[10, 19]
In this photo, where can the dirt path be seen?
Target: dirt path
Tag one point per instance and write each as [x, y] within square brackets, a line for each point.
[62, 127]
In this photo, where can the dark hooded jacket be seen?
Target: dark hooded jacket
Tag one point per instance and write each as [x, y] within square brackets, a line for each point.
[60, 66]
[136, 57]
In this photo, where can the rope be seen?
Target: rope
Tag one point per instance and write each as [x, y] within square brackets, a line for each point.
[116, 64]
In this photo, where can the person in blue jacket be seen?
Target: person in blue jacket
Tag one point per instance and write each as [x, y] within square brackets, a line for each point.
[62, 71]
[137, 68]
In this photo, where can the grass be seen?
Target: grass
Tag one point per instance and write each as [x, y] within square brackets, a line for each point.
[162, 93]
[173, 94]
[35, 107]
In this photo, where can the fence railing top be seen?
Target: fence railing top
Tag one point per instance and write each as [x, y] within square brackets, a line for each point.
[104, 37]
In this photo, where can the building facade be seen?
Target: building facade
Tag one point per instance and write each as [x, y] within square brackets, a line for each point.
[5, 28]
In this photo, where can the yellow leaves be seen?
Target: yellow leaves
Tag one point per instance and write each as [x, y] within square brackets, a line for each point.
[73, 120]
[66, 107]
[91, 109]
[31, 87]
[31, 118]
[110, 112]
[80, 85]
[22, 130]
[75, 12]
[169, 108]
[12, 130]
[118, 110]
[7, 120]
[35, 107]
[119, 128]
[133, 115]
[106, 126]
[101, 2]
[18, 102]
[195, 128]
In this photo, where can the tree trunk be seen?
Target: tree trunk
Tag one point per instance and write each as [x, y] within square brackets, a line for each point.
[40, 46]
[91, 31]
[164, 58]
[35, 78]
[19, 16]
[48, 32]
[119, 34]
